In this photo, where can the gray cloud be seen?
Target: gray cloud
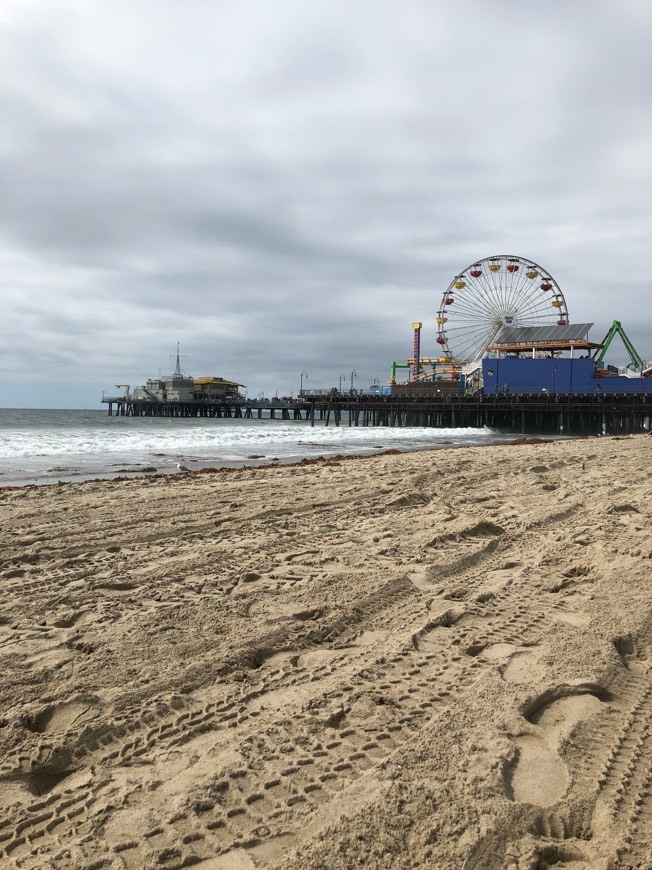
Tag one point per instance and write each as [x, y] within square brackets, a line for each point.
[286, 187]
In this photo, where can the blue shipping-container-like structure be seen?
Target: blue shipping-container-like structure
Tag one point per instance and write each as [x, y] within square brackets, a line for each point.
[556, 376]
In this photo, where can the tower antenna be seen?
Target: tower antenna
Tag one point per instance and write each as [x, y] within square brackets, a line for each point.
[177, 371]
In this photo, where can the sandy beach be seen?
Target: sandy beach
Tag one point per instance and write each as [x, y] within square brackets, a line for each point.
[435, 659]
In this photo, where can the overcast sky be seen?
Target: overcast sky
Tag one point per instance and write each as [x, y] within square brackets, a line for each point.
[286, 186]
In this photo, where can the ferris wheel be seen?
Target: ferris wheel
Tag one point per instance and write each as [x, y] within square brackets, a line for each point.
[493, 293]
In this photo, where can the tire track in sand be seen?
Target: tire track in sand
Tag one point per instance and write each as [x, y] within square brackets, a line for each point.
[257, 808]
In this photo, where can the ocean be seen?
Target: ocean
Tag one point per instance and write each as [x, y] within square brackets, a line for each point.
[48, 446]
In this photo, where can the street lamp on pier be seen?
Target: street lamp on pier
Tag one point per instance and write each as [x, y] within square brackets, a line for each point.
[303, 375]
[342, 377]
[353, 375]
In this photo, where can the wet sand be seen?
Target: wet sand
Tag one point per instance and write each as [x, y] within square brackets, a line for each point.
[436, 659]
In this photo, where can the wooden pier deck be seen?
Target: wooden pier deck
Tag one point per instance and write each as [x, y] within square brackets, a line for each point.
[549, 414]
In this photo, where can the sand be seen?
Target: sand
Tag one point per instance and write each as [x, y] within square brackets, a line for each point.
[437, 659]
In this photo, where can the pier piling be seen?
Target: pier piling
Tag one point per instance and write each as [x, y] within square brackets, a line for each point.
[550, 414]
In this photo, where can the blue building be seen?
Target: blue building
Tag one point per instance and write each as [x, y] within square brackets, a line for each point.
[528, 361]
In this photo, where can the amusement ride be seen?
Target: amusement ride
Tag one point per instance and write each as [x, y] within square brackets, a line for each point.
[493, 293]
[481, 300]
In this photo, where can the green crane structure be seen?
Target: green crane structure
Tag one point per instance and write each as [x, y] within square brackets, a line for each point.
[615, 329]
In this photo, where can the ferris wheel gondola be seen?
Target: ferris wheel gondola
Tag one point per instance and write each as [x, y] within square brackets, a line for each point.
[493, 293]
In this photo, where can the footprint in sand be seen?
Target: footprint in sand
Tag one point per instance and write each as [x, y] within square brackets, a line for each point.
[537, 774]
[579, 620]
[522, 663]
[633, 654]
[433, 635]
[496, 580]
[418, 577]
[62, 717]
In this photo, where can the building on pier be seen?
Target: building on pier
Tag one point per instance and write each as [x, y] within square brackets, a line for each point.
[175, 388]
[531, 360]
[211, 389]
[180, 387]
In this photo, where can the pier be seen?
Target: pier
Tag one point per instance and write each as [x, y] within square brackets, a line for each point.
[120, 406]
[524, 414]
